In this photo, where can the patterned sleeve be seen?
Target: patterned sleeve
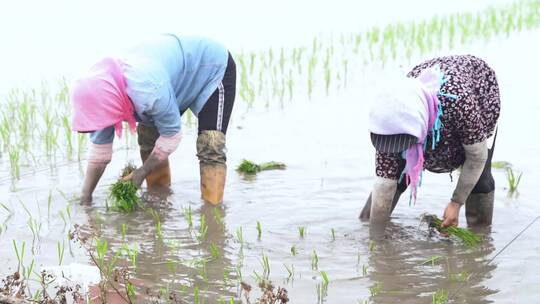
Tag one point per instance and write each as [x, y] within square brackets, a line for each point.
[472, 127]
[387, 165]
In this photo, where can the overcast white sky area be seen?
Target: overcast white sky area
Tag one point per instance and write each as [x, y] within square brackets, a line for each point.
[46, 39]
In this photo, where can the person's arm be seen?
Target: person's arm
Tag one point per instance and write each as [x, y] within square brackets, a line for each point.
[166, 116]
[475, 160]
[99, 156]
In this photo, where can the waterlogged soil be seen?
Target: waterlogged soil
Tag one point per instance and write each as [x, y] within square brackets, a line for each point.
[329, 173]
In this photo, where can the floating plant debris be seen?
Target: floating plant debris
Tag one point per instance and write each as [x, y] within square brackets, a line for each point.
[249, 167]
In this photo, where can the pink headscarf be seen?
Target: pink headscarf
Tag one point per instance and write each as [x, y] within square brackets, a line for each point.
[100, 100]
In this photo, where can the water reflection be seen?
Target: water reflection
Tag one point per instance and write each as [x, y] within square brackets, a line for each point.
[173, 255]
[411, 265]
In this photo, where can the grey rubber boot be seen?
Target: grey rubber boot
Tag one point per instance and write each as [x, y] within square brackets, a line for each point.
[479, 209]
[366, 211]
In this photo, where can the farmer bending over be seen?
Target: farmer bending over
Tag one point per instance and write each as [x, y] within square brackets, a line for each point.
[438, 118]
[154, 84]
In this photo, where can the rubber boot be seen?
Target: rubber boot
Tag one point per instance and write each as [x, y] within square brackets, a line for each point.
[213, 178]
[479, 209]
[366, 211]
[212, 162]
[160, 177]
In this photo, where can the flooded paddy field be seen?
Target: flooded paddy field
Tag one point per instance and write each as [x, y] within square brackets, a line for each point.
[299, 227]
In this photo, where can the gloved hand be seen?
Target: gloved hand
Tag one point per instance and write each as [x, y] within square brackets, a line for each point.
[138, 176]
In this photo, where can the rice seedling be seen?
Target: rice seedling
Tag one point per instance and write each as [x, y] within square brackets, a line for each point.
[513, 181]
[290, 271]
[240, 236]
[302, 231]
[314, 260]
[214, 251]
[60, 252]
[440, 297]
[5, 207]
[20, 254]
[500, 165]
[259, 278]
[63, 217]
[218, 217]
[68, 135]
[188, 214]
[159, 231]
[131, 252]
[123, 229]
[259, 230]
[371, 245]
[364, 270]
[35, 228]
[249, 167]
[81, 145]
[322, 293]
[432, 260]
[27, 271]
[196, 296]
[265, 262]
[14, 159]
[123, 193]
[238, 273]
[203, 229]
[49, 205]
[460, 277]
[325, 278]
[375, 289]
[466, 236]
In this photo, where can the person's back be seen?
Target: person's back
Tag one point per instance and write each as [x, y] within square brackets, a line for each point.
[192, 65]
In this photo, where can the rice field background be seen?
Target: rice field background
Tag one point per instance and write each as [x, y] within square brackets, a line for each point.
[297, 227]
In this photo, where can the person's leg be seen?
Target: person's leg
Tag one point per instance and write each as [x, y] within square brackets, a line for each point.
[213, 123]
[401, 187]
[160, 177]
[479, 204]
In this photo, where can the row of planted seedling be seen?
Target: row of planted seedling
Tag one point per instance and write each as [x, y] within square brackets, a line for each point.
[35, 129]
[35, 124]
[107, 258]
[283, 73]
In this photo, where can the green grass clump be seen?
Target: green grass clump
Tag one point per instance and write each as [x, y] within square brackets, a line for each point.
[464, 235]
[123, 194]
[249, 167]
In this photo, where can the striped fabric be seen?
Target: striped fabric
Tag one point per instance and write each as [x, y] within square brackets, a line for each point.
[392, 143]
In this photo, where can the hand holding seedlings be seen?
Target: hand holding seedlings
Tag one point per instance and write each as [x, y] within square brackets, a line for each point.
[465, 235]
[451, 215]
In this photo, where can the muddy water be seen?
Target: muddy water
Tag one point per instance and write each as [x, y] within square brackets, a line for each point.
[330, 165]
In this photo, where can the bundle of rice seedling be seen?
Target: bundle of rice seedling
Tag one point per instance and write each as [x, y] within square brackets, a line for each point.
[249, 167]
[123, 194]
[464, 235]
